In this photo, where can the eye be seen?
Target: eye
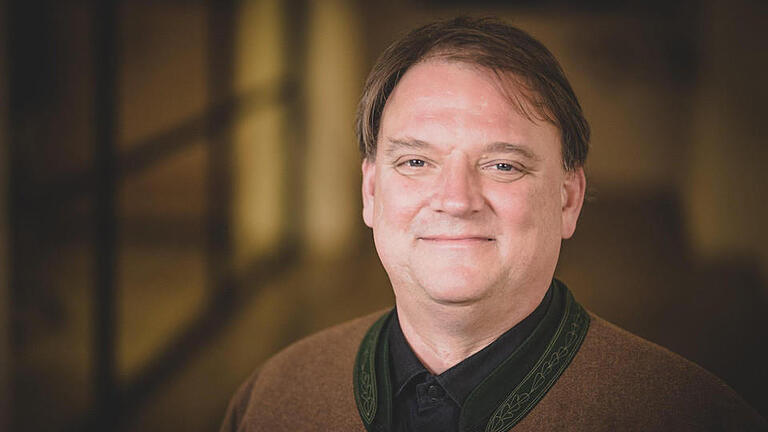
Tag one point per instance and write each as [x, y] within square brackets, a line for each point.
[411, 162]
[505, 170]
[504, 167]
[413, 165]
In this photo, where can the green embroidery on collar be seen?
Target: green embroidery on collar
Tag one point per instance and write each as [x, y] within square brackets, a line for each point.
[533, 369]
[365, 372]
[558, 355]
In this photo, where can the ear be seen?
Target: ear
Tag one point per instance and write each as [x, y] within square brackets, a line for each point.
[369, 186]
[572, 198]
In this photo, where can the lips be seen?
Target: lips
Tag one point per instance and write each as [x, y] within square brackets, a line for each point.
[456, 239]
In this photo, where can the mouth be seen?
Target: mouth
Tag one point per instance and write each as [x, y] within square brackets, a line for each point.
[457, 240]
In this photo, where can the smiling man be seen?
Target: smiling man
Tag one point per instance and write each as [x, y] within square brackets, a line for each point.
[473, 147]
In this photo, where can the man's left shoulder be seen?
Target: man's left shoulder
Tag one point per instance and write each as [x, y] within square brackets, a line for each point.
[617, 356]
[633, 384]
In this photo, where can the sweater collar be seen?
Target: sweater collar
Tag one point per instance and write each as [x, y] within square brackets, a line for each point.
[506, 394]
[461, 379]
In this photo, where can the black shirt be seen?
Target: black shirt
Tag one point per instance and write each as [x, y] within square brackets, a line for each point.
[424, 402]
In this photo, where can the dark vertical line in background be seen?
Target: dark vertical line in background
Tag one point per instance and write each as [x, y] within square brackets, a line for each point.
[221, 58]
[295, 15]
[9, 17]
[15, 20]
[104, 34]
[5, 277]
[30, 89]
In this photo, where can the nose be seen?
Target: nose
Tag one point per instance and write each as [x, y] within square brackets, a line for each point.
[457, 189]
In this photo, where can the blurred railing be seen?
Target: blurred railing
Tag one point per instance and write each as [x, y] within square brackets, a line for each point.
[114, 400]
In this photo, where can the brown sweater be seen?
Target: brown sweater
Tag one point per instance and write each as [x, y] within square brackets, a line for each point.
[616, 381]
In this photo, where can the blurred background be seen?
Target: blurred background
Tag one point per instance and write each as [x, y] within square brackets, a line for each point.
[179, 190]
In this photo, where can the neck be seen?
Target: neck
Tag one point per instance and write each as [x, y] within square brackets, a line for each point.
[443, 335]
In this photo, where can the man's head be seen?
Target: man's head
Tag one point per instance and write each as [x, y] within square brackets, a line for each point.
[473, 148]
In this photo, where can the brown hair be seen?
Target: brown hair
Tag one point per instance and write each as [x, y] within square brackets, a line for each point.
[540, 88]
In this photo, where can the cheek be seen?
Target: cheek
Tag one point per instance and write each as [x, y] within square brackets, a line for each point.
[545, 213]
[532, 209]
[397, 203]
[517, 208]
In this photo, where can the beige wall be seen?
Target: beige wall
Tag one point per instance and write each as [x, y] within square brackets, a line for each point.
[162, 84]
[260, 145]
[333, 81]
[725, 189]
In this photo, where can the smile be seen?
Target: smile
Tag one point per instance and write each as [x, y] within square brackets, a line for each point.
[456, 240]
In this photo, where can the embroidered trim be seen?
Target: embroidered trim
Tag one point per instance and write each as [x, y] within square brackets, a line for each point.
[367, 383]
[365, 375]
[548, 369]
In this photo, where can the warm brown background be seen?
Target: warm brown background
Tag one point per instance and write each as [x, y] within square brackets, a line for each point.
[179, 190]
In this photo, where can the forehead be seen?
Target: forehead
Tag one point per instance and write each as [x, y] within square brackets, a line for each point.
[453, 101]
[450, 84]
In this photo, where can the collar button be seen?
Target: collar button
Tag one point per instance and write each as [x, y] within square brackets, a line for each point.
[435, 392]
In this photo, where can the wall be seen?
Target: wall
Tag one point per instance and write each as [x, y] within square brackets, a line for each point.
[725, 188]
[334, 80]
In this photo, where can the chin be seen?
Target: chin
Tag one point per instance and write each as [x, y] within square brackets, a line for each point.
[451, 288]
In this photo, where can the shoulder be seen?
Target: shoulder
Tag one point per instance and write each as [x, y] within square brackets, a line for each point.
[609, 347]
[329, 348]
[306, 386]
[629, 383]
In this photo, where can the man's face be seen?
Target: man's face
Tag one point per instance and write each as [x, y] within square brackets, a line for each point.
[468, 200]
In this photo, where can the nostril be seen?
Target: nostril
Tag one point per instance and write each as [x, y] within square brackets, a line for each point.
[457, 203]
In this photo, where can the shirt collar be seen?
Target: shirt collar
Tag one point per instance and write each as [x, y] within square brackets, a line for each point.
[462, 378]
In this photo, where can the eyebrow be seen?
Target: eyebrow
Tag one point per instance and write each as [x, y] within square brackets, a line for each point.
[505, 147]
[494, 147]
[410, 143]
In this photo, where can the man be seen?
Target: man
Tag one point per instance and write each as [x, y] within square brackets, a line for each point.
[473, 148]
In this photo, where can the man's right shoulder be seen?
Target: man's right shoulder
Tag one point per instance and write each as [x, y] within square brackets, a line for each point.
[325, 348]
[312, 375]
